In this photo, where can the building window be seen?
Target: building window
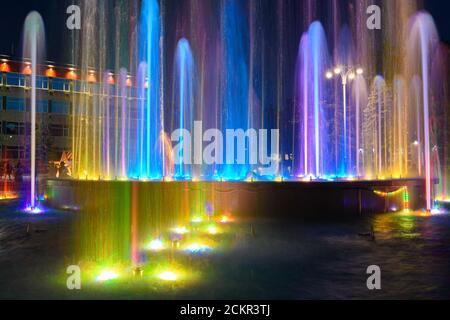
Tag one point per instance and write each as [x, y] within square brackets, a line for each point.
[42, 106]
[60, 84]
[60, 107]
[59, 130]
[15, 104]
[42, 83]
[13, 152]
[15, 79]
[13, 128]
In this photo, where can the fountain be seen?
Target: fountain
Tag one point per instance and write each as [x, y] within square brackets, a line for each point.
[33, 51]
[132, 123]
[184, 91]
[423, 35]
[235, 80]
[311, 66]
[360, 96]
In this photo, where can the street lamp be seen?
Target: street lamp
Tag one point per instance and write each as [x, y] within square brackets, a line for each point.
[347, 73]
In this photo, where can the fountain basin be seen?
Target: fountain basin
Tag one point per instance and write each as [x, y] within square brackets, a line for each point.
[245, 199]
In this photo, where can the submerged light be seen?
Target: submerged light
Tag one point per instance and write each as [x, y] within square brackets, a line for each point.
[167, 276]
[226, 219]
[180, 230]
[212, 230]
[33, 210]
[107, 275]
[156, 245]
[197, 220]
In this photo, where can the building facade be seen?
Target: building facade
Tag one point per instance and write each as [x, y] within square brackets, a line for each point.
[53, 107]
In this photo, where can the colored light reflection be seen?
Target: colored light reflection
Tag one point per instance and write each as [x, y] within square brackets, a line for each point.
[437, 211]
[8, 196]
[197, 248]
[107, 276]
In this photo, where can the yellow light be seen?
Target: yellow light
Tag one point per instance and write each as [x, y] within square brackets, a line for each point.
[167, 276]
[385, 194]
[359, 71]
[329, 75]
[212, 230]
[337, 70]
[351, 76]
[107, 275]
[225, 219]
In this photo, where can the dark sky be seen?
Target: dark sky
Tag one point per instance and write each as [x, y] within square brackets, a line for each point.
[53, 12]
[14, 13]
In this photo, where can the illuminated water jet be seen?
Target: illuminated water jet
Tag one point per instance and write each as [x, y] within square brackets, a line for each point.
[33, 49]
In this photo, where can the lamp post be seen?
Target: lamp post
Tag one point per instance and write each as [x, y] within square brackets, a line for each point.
[347, 74]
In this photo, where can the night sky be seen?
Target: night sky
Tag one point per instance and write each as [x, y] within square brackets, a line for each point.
[53, 12]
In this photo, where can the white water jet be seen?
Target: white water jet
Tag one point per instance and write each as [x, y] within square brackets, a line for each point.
[33, 49]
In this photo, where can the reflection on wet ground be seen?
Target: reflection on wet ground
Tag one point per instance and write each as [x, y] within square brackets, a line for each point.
[269, 259]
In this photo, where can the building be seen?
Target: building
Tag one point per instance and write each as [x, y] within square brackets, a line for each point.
[54, 88]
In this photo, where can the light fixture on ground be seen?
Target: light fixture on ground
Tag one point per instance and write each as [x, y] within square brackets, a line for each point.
[167, 276]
